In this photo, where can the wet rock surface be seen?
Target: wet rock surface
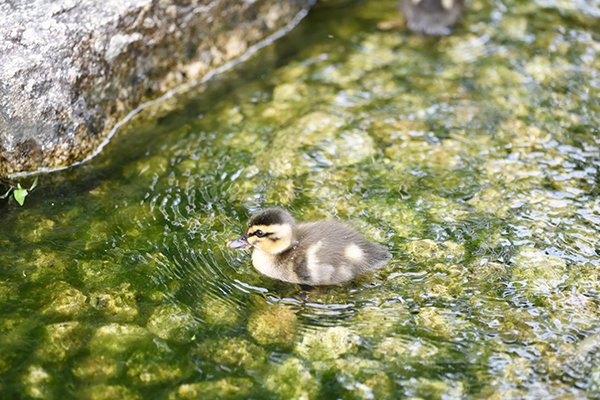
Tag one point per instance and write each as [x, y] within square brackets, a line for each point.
[70, 70]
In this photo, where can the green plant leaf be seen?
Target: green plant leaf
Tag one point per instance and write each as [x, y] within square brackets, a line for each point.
[19, 195]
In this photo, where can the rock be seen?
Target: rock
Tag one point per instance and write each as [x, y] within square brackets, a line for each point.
[116, 304]
[173, 322]
[118, 338]
[217, 311]
[71, 70]
[97, 368]
[233, 353]
[443, 322]
[405, 350]
[8, 291]
[37, 383]
[362, 378]
[427, 250]
[149, 369]
[227, 388]
[99, 273]
[273, 325]
[327, 343]
[424, 388]
[108, 392]
[372, 321]
[60, 341]
[292, 380]
[541, 273]
[65, 301]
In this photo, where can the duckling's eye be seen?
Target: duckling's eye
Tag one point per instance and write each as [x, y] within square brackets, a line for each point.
[259, 233]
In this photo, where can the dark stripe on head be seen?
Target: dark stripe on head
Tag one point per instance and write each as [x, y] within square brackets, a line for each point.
[271, 216]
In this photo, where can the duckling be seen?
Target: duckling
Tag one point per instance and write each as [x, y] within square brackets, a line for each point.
[432, 17]
[324, 252]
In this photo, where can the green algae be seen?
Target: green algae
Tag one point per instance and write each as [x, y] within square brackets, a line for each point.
[473, 158]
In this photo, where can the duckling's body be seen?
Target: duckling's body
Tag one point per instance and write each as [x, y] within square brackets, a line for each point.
[324, 252]
[432, 17]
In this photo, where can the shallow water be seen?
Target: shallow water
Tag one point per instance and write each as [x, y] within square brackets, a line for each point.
[474, 158]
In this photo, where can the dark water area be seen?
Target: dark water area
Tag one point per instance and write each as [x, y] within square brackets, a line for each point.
[474, 158]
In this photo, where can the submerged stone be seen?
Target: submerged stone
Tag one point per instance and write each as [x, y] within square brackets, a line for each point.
[325, 142]
[65, 301]
[47, 265]
[99, 273]
[60, 341]
[8, 291]
[327, 343]
[217, 311]
[150, 369]
[97, 368]
[273, 325]
[427, 250]
[34, 230]
[108, 392]
[38, 383]
[173, 322]
[373, 322]
[404, 349]
[116, 304]
[293, 380]
[361, 378]
[233, 353]
[424, 388]
[491, 201]
[118, 338]
[226, 388]
[541, 273]
[441, 321]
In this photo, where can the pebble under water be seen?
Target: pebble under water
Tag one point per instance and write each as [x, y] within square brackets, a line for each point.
[475, 158]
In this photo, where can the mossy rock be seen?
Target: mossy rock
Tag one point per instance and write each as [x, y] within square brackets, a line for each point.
[38, 383]
[219, 312]
[233, 353]
[97, 368]
[173, 322]
[108, 392]
[273, 325]
[223, 389]
[145, 368]
[360, 378]
[540, 272]
[116, 304]
[65, 301]
[327, 343]
[60, 341]
[117, 338]
[292, 380]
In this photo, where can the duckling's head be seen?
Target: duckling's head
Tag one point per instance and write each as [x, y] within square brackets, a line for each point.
[272, 230]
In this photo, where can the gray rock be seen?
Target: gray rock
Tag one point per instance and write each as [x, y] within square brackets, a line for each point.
[71, 69]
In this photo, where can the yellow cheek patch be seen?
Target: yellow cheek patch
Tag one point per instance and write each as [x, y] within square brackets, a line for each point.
[264, 228]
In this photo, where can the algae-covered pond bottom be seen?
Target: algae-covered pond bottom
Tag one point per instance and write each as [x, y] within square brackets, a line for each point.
[473, 157]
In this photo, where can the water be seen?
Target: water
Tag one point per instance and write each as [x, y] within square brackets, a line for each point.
[474, 158]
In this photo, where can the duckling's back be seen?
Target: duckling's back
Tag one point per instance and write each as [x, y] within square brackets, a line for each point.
[336, 253]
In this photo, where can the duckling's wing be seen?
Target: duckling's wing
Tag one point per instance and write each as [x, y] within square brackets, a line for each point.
[336, 253]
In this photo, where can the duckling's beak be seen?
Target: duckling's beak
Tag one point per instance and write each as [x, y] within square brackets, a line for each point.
[241, 242]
